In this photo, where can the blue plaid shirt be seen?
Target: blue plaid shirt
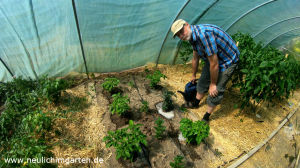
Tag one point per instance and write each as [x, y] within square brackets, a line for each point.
[209, 39]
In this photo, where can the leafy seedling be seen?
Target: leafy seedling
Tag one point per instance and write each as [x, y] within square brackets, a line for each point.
[126, 141]
[159, 128]
[194, 132]
[119, 104]
[110, 83]
[144, 107]
[168, 103]
[155, 78]
[178, 163]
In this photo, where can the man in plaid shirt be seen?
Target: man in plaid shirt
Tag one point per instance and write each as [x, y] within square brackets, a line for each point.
[220, 54]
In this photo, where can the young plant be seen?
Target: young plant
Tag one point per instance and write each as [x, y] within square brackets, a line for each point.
[155, 78]
[168, 103]
[126, 141]
[178, 163]
[131, 84]
[119, 104]
[194, 132]
[110, 83]
[144, 107]
[159, 128]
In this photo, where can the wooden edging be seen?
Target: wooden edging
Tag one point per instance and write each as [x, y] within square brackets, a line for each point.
[250, 153]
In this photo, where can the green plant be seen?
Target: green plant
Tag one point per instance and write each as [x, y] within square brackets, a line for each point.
[159, 128]
[131, 84]
[144, 107]
[126, 141]
[110, 83]
[264, 74]
[178, 163]
[51, 88]
[168, 103]
[185, 52]
[119, 104]
[195, 132]
[16, 86]
[155, 78]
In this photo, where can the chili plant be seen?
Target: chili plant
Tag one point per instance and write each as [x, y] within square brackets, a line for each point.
[178, 163]
[168, 103]
[194, 132]
[126, 141]
[110, 83]
[159, 128]
[155, 78]
[119, 104]
[264, 74]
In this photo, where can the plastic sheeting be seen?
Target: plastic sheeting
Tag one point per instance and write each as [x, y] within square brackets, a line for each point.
[40, 36]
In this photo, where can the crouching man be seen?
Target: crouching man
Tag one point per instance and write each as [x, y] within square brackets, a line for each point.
[220, 54]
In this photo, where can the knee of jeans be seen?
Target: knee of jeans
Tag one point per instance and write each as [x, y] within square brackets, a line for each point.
[214, 101]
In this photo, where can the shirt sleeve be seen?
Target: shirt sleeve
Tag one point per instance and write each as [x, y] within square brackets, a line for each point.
[209, 42]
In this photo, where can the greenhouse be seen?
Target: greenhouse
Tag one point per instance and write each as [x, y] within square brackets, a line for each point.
[158, 84]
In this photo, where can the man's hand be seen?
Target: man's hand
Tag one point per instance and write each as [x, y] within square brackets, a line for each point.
[193, 79]
[213, 92]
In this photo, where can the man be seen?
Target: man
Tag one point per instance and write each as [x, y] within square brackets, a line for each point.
[220, 54]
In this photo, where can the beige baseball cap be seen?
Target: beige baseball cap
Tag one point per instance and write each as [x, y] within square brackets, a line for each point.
[177, 26]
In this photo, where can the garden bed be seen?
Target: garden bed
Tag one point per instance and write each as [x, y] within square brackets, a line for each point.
[232, 133]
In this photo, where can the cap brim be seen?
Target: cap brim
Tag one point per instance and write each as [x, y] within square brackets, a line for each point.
[174, 35]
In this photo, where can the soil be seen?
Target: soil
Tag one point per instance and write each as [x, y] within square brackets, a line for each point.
[233, 132]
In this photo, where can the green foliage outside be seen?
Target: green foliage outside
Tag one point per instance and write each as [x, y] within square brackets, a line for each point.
[110, 83]
[194, 132]
[185, 52]
[264, 74]
[159, 128]
[178, 163]
[120, 104]
[126, 141]
[155, 78]
[168, 103]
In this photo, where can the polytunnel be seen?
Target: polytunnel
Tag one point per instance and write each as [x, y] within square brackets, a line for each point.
[102, 83]
[57, 37]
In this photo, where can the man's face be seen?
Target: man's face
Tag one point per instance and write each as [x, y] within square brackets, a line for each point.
[185, 33]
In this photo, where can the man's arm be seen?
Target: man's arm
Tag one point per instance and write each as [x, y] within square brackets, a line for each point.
[195, 63]
[214, 73]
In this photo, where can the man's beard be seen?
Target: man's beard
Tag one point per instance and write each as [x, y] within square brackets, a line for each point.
[189, 35]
